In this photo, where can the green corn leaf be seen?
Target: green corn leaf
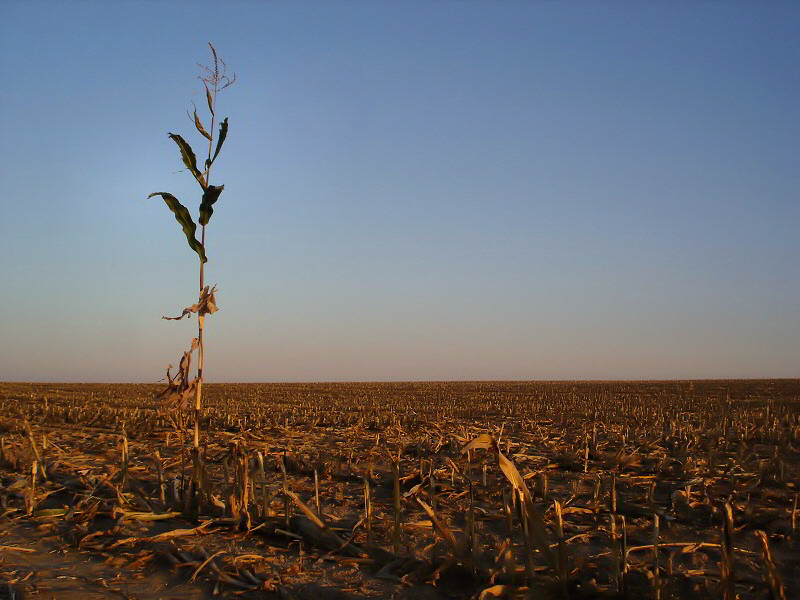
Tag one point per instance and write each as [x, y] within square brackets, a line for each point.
[189, 159]
[183, 217]
[200, 127]
[210, 103]
[223, 133]
[209, 197]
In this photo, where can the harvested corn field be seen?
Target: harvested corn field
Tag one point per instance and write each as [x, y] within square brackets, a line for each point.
[403, 490]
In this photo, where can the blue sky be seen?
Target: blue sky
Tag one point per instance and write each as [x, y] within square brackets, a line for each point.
[413, 190]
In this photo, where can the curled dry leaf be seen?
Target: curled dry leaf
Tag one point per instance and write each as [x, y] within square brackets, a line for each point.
[180, 388]
[199, 125]
[206, 305]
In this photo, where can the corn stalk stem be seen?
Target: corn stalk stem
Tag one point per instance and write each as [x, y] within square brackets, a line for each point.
[200, 323]
[200, 317]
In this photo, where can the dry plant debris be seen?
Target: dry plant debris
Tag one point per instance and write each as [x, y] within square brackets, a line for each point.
[403, 490]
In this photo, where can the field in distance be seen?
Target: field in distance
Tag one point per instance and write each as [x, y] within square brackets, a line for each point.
[403, 490]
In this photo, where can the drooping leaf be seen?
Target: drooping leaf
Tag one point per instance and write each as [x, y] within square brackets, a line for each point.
[183, 217]
[210, 196]
[200, 127]
[210, 103]
[206, 305]
[535, 523]
[223, 133]
[535, 526]
[189, 158]
[482, 442]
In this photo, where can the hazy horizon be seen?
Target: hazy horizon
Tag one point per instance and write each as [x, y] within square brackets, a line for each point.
[414, 381]
[422, 191]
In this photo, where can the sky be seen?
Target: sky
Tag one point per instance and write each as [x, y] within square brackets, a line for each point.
[413, 190]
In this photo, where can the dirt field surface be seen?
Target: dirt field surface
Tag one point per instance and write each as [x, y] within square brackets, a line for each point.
[402, 490]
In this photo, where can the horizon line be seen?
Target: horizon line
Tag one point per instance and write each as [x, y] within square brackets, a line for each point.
[407, 381]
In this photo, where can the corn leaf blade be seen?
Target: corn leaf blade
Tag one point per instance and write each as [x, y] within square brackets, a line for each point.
[184, 218]
[189, 158]
[210, 101]
[210, 196]
[223, 133]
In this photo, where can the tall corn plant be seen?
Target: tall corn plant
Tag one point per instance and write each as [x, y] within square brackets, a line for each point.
[182, 387]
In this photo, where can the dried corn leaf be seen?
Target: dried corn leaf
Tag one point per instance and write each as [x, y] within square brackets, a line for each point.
[52, 512]
[535, 522]
[143, 516]
[180, 388]
[199, 125]
[445, 532]
[482, 442]
[497, 591]
[161, 537]
[312, 516]
[207, 304]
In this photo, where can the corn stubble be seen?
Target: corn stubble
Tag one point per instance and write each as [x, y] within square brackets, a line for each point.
[552, 490]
